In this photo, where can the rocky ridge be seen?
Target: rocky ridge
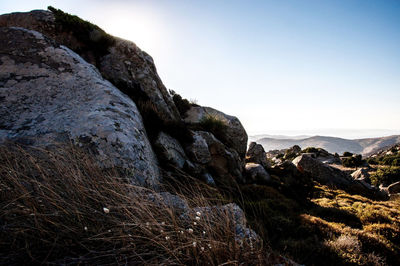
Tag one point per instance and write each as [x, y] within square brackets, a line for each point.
[104, 94]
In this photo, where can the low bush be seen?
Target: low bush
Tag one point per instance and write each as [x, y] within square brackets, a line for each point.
[214, 124]
[91, 37]
[182, 104]
[58, 207]
[347, 154]
[353, 161]
[385, 175]
[310, 150]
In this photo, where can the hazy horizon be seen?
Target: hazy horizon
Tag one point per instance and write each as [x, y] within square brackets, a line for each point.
[279, 66]
[339, 133]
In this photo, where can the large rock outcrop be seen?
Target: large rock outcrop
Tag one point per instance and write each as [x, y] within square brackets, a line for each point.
[120, 61]
[49, 94]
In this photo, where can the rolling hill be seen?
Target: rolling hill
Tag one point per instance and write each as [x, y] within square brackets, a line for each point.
[331, 144]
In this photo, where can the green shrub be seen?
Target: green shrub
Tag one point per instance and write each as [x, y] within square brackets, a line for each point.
[310, 150]
[92, 37]
[347, 154]
[353, 161]
[385, 176]
[214, 124]
[182, 104]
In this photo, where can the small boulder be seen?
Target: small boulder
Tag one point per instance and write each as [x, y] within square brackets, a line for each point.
[321, 172]
[362, 174]
[256, 154]
[394, 188]
[256, 173]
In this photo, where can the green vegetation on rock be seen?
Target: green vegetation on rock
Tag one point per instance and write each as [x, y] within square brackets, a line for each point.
[92, 37]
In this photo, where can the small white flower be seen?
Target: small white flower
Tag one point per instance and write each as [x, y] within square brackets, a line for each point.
[197, 218]
[109, 231]
[147, 224]
[163, 223]
[198, 213]
[85, 228]
[162, 231]
[202, 248]
[209, 246]
[167, 238]
[106, 210]
[204, 232]
[194, 244]
[194, 223]
[190, 230]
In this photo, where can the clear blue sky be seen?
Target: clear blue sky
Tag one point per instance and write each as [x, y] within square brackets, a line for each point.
[280, 66]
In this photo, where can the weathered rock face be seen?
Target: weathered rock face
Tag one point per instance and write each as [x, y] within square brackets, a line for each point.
[124, 64]
[198, 150]
[235, 135]
[256, 154]
[49, 94]
[321, 172]
[225, 163]
[133, 69]
[171, 150]
[256, 173]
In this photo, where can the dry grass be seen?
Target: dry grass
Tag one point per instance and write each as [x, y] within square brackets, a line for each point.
[58, 207]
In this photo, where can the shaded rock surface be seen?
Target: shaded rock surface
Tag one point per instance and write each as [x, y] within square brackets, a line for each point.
[50, 94]
[225, 163]
[171, 150]
[198, 150]
[256, 173]
[221, 214]
[394, 188]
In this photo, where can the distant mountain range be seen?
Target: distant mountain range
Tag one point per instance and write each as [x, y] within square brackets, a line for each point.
[331, 144]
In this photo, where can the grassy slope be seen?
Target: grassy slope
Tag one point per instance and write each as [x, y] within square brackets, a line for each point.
[331, 227]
